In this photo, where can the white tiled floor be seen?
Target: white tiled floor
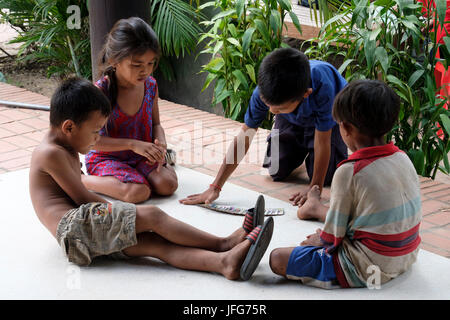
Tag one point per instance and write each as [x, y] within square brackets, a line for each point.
[32, 265]
[304, 14]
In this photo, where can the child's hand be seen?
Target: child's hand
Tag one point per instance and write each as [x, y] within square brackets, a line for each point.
[160, 144]
[206, 197]
[164, 147]
[313, 239]
[299, 198]
[151, 151]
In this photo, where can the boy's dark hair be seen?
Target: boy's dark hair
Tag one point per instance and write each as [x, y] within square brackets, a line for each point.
[284, 76]
[132, 36]
[74, 99]
[370, 105]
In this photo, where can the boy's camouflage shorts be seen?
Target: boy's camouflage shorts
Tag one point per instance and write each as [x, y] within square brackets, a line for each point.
[97, 229]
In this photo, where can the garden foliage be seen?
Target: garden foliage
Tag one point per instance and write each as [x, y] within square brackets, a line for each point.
[46, 35]
[240, 35]
[391, 40]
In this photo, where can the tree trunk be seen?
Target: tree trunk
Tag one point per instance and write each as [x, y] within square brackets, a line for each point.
[102, 16]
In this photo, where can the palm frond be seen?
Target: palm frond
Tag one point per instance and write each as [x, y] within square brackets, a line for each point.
[176, 23]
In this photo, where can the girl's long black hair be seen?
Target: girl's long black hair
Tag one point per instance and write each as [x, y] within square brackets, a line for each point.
[132, 36]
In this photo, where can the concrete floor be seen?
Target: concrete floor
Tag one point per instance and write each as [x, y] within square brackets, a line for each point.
[32, 265]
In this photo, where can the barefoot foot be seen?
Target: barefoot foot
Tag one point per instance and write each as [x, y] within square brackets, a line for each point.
[234, 239]
[311, 208]
[233, 259]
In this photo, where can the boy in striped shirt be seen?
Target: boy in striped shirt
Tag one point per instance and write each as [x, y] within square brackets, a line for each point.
[372, 225]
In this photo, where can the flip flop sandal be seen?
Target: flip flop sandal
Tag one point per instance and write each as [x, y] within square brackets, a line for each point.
[171, 157]
[255, 216]
[260, 238]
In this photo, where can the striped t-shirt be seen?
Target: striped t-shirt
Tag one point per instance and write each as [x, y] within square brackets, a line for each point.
[374, 217]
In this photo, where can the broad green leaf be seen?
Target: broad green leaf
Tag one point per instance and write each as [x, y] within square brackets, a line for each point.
[295, 21]
[382, 2]
[251, 72]
[246, 39]
[374, 34]
[430, 88]
[414, 77]
[235, 109]
[223, 95]
[275, 21]
[397, 81]
[382, 56]
[446, 163]
[261, 27]
[441, 7]
[285, 4]
[232, 30]
[223, 14]
[418, 159]
[209, 78]
[234, 42]
[241, 77]
[240, 6]
[447, 44]
[217, 47]
[445, 122]
[408, 24]
[236, 84]
[369, 52]
[215, 64]
[344, 65]
[235, 53]
[205, 5]
[219, 86]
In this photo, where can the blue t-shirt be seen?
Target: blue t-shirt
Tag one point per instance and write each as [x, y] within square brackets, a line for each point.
[315, 110]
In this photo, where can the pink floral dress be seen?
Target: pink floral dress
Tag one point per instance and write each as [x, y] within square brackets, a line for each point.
[126, 165]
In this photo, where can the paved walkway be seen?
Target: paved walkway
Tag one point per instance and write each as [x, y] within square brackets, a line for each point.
[201, 140]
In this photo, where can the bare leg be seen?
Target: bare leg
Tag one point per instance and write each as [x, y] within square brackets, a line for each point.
[312, 208]
[152, 218]
[227, 263]
[113, 187]
[164, 182]
[279, 259]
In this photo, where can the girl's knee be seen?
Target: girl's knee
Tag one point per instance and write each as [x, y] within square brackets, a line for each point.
[167, 187]
[136, 193]
[172, 186]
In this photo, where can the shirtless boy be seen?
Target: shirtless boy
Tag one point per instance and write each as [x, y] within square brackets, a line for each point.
[86, 225]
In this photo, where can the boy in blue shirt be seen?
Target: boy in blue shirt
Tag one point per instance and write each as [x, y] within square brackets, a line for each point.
[300, 93]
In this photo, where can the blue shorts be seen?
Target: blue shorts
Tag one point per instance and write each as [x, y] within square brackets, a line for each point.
[312, 266]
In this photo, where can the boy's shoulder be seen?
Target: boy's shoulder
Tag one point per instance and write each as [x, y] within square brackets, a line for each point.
[47, 155]
[362, 158]
[324, 72]
[321, 69]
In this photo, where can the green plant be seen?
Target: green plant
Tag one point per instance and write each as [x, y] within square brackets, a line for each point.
[176, 22]
[240, 35]
[42, 27]
[17, 13]
[326, 9]
[44, 32]
[390, 40]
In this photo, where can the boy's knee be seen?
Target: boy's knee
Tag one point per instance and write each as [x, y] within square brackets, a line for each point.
[136, 193]
[277, 262]
[150, 218]
[279, 176]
